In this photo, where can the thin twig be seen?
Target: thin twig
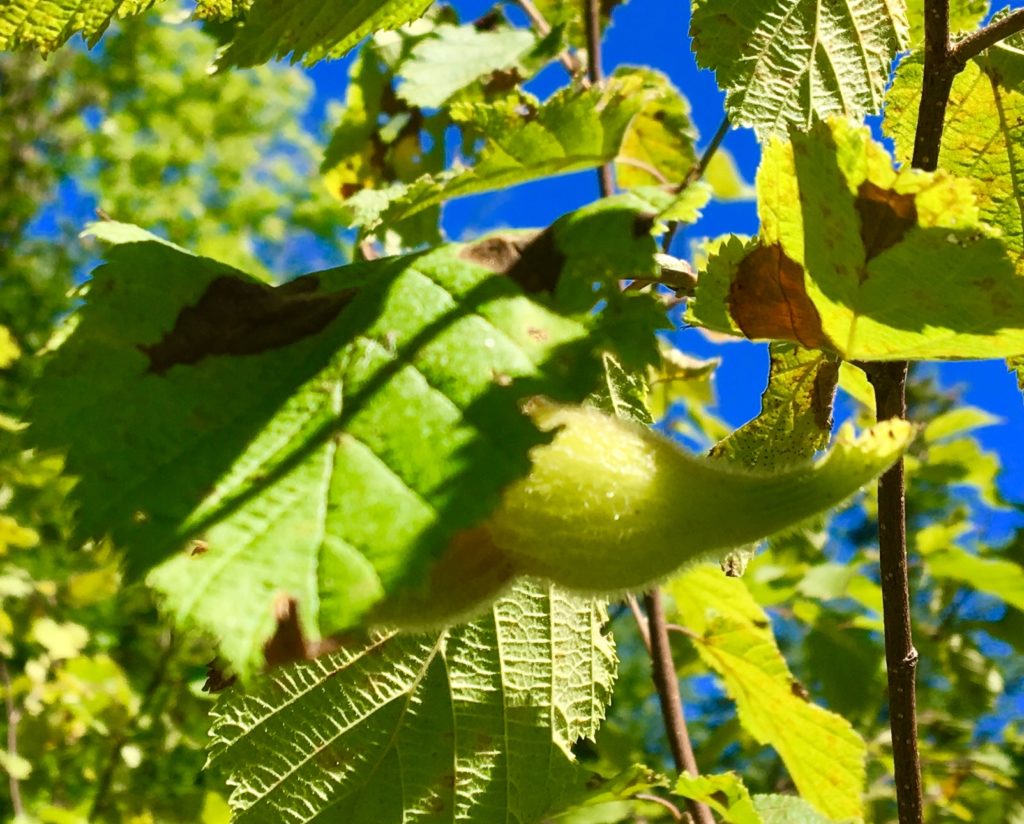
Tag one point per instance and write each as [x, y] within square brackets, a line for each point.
[701, 166]
[592, 24]
[543, 27]
[13, 717]
[366, 250]
[653, 171]
[976, 42]
[696, 173]
[674, 811]
[641, 622]
[667, 684]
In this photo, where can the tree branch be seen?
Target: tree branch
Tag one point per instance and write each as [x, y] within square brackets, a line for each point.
[592, 24]
[889, 382]
[667, 684]
[13, 716]
[543, 28]
[975, 43]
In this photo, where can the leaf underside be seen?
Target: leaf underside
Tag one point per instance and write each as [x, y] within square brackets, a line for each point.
[789, 62]
[473, 724]
[822, 752]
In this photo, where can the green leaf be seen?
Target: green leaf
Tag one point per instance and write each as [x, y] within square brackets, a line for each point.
[854, 383]
[472, 724]
[14, 765]
[995, 576]
[568, 15]
[218, 10]
[13, 534]
[572, 131]
[958, 421]
[981, 138]
[329, 438]
[658, 146]
[788, 62]
[9, 349]
[680, 378]
[452, 57]
[964, 15]
[1017, 367]
[725, 794]
[863, 260]
[787, 809]
[821, 751]
[310, 31]
[45, 26]
[725, 178]
[622, 394]
[60, 640]
[796, 412]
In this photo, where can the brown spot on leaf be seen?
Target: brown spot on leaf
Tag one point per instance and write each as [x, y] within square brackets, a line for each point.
[799, 690]
[533, 261]
[502, 80]
[347, 190]
[198, 548]
[767, 299]
[240, 317]
[885, 217]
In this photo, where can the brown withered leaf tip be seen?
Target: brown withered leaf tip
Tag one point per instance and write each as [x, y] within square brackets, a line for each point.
[241, 317]
[289, 644]
[533, 261]
[767, 299]
[885, 218]
[217, 679]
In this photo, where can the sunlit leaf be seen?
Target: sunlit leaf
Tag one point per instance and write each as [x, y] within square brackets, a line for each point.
[452, 57]
[821, 751]
[523, 141]
[863, 260]
[658, 146]
[796, 412]
[473, 724]
[725, 794]
[309, 30]
[784, 62]
[45, 26]
[321, 440]
[964, 15]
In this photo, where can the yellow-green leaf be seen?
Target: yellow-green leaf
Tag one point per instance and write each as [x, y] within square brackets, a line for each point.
[822, 752]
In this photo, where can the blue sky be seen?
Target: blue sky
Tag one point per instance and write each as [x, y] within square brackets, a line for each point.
[655, 34]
